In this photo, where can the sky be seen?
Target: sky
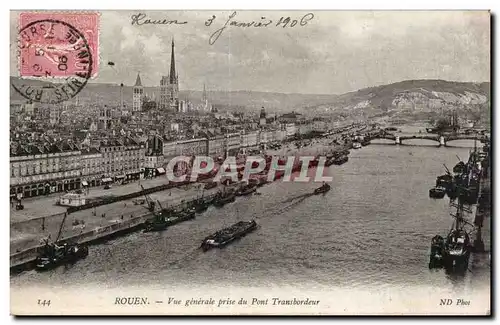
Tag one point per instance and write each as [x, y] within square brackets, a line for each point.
[334, 53]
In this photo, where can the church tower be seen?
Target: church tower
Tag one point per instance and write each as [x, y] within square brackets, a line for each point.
[262, 117]
[169, 86]
[137, 97]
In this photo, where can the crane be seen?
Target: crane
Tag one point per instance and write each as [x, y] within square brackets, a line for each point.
[151, 203]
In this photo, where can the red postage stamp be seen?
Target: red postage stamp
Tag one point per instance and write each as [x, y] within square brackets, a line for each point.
[58, 44]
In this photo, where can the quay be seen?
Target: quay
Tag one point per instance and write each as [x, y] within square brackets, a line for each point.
[23, 260]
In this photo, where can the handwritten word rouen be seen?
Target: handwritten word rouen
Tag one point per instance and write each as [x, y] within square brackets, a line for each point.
[142, 19]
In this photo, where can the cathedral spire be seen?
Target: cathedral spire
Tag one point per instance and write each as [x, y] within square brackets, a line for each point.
[204, 93]
[173, 76]
[138, 82]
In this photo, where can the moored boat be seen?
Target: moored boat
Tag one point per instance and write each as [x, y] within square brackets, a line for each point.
[444, 181]
[201, 204]
[356, 145]
[457, 248]
[437, 192]
[222, 199]
[225, 236]
[166, 218]
[54, 255]
[340, 160]
[437, 251]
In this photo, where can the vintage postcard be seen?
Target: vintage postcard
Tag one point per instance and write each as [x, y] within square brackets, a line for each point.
[250, 162]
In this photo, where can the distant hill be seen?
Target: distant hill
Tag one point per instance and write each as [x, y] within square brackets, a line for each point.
[411, 96]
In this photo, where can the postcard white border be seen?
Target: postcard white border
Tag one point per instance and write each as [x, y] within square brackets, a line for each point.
[219, 4]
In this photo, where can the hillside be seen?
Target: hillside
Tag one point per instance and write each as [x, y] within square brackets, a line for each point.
[410, 97]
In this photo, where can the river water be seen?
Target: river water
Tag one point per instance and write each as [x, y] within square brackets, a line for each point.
[373, 228]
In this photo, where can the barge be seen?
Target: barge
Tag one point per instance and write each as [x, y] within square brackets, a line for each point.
[164, 219]
[227, 235]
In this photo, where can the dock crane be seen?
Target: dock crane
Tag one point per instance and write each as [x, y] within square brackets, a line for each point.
[151, 203]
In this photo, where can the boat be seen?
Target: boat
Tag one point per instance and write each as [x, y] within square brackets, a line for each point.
[365, 142]
[166, 218]
[329, 161]
[54, 255]
[222, 199]
[444, 181]
[457, 248]
[340, 160]
[201, 204]
[437, 251]
[460, 168]
[246, 190]
[356, 145]
[437, 192]
[323, 189]
[227, 235]
[453, 252]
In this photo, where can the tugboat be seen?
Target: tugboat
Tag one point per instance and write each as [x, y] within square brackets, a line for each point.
[55, 254]
[437, 192]
[225, 236]
[323, 189]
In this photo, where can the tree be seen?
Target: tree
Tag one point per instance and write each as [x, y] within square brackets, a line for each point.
[442, 123]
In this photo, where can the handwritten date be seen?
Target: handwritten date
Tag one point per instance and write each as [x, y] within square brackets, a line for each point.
[284, 22]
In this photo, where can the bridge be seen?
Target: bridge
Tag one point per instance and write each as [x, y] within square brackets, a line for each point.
[442, 140]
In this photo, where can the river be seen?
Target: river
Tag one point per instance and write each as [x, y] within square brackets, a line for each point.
[373, 228]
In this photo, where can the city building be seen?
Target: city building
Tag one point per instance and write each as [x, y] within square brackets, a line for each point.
[91, 167]
[105, 118]
[154, 161]
[123, 159]
[38, 169]
[169, 87]
[291, 117]
[138, 95]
